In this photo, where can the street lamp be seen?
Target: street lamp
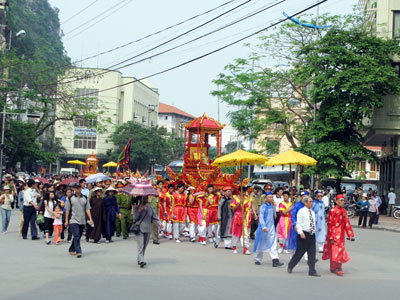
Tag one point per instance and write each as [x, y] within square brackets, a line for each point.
[150, 108]
[21, 33]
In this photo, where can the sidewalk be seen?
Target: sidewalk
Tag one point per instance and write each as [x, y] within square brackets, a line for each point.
[385, 223]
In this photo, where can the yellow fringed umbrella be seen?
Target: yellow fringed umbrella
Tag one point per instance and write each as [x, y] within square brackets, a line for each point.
[76, 162]
[110, 164]
[290, 158]
[239, 158]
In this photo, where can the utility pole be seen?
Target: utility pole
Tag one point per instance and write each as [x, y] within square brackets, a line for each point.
[4, 77]
[218, 103]
[150, 108]
[250, 148]
[315, 104]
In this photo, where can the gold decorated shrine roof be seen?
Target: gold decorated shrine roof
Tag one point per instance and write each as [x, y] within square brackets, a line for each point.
[204, 122]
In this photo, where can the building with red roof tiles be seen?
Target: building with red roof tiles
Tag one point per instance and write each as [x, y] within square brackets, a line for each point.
[172, 118]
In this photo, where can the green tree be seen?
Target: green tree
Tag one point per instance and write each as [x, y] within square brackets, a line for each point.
[149, 145]
[232, 146]
[21, 139]
[43, 34]
[270, 100]
[52, 145]
[352, 73]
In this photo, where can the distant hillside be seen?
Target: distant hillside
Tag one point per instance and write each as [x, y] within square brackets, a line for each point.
[42, 25]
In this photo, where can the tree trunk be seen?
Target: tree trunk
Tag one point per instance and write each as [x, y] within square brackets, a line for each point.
[337, 186]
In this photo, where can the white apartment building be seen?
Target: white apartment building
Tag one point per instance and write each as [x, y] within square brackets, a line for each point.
[172, 118]
[135, 101]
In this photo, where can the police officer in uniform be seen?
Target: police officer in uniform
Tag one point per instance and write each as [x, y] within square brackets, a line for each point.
[125, 205]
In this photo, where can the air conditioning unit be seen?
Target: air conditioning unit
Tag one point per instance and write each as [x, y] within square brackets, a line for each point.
[135, 115]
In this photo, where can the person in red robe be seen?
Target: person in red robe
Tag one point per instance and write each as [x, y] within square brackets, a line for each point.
[338, 226]
[179, 201]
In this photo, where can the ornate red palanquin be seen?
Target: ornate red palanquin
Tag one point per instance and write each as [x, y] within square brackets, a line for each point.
[197, 170]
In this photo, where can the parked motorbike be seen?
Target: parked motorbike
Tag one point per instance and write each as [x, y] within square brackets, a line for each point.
[396, 212]
[353, 209]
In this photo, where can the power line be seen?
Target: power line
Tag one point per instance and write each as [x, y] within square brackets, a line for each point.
[182, 34]
[172, 39]
[211, 52]
[79, 12]
[105, 17]
[267, 7]
[155, 33]
[135, 41]
[94, 18]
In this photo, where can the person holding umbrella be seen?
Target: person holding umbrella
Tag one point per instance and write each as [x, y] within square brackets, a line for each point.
[144, 215]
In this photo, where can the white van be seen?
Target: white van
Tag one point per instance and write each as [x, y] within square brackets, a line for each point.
[68, 171]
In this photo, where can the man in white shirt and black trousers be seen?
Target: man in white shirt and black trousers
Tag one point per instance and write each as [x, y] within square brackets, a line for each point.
[305, 228]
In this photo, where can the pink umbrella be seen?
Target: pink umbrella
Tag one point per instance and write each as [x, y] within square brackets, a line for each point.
[41, 179]
[68, 181]
[143, 188]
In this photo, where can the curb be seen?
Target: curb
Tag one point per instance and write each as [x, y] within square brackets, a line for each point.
[387, 229]
[381, 228]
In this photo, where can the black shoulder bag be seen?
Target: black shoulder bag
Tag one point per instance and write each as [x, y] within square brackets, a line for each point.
[135, 228]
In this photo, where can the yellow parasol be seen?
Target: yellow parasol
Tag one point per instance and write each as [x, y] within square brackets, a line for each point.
[110, 164]
[76, 162]
[239, 158]
[290, 158]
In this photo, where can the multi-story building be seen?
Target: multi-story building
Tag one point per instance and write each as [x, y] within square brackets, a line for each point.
[136, 101]
[383, 129]
[172, 118]
[273, 140]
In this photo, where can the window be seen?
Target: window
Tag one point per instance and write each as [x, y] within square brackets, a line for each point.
[396, 24]
[89, 97]
[85, 133]
[374, 167]
[85, 142]
[166, 118]
[85, 123]
[362, 165]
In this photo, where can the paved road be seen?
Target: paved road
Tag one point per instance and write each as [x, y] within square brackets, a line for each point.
[33, 270]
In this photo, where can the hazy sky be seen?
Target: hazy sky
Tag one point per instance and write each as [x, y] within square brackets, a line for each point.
[108, 24]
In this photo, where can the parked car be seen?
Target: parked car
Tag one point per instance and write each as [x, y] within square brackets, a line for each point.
[68, 171]
[350, 188]
[261, 183]
[367, 186]
[280, 184]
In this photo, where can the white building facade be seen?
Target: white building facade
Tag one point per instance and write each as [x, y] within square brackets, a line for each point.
[171, 118]
[132, 102]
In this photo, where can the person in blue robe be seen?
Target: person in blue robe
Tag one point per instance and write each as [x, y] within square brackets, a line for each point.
[291, 241]
[320, 223]
[266, 239]
[112, 209]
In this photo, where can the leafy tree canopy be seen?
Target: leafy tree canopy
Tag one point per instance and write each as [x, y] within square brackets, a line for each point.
[352, 73]
[42, 41]
[264, 88]
[149, 145]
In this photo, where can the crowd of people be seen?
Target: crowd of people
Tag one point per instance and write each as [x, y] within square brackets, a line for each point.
[217, 215]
